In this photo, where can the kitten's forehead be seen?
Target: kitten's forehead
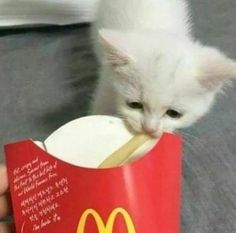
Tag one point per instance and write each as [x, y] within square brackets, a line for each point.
[165, 69]
[166, 79]
[166, 72]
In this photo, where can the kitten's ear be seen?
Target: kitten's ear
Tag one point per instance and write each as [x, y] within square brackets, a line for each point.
[115, 44]
[215, 69]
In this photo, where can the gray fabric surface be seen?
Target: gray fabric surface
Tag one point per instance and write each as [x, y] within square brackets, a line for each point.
[46, 79]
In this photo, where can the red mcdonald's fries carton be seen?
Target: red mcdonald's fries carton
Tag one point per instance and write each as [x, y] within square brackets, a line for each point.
[58, 188]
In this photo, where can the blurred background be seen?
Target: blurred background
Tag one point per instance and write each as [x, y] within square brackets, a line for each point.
[47, 75]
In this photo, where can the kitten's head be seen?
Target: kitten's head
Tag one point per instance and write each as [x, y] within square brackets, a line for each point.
[163, 82]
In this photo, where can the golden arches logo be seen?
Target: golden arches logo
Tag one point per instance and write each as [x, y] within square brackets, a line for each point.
[108, 226]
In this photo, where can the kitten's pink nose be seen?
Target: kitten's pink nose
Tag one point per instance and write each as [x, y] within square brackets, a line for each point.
[149, 130]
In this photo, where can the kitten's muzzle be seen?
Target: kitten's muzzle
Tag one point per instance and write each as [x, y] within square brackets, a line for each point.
[150, 131]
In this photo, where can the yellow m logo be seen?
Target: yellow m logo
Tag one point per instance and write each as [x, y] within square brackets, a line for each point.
[105, 227]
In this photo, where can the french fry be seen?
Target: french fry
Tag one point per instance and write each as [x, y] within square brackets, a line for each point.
[122, 154]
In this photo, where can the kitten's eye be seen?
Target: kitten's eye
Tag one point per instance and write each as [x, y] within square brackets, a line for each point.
[135, 105]
[174, 114]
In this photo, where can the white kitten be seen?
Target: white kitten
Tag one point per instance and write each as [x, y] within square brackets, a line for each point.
[153, 73]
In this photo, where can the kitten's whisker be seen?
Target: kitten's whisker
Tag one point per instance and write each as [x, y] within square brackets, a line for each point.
[190, 135]
[121, 116]
[189, 145]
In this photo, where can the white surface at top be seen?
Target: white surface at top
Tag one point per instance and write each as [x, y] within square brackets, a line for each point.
[40, 12]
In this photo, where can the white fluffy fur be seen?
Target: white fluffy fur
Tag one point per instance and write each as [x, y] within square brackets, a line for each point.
[148, 55]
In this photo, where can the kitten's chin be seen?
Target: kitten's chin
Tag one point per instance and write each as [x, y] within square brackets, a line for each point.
[156, 134]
